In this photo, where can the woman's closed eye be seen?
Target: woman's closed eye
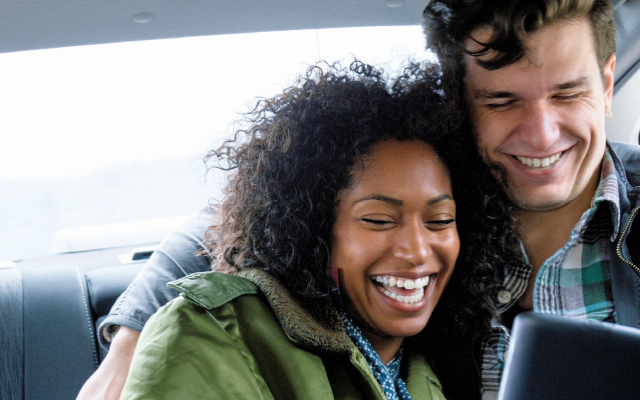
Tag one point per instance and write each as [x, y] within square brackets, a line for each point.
[441, 223]
[377, 221]
[381, 222]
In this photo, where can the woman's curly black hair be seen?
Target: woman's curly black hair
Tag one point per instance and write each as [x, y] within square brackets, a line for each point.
[299, 150]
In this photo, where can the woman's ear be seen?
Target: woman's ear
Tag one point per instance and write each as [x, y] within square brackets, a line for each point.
[333, 272]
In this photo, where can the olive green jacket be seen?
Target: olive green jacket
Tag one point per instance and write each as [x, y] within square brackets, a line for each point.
[233, 337]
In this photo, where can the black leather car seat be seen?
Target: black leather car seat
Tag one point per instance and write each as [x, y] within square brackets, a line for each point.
[48, 333]
[48, 317]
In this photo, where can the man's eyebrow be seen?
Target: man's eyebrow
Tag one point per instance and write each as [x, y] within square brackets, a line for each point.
[439, 199]
[380, 197]
[486, 94]
[582, 81]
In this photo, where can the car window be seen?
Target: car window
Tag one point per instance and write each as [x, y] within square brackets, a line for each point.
[116, 133]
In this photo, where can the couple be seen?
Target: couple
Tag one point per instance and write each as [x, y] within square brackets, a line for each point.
[337, 236]
[537, 79]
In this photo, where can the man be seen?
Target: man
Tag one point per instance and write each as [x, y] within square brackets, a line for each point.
[538, 79]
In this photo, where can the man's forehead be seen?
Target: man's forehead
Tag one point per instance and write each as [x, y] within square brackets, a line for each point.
[533, 43]
[561, 54]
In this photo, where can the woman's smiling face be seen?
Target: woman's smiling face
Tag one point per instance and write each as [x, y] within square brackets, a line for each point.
[395, 241]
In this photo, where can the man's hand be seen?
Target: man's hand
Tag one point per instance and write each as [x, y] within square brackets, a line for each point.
[107, 382]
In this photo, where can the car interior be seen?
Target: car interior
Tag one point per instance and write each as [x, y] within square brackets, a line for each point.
[51, 306]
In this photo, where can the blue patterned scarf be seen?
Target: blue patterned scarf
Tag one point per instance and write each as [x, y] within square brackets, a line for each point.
[387, 375]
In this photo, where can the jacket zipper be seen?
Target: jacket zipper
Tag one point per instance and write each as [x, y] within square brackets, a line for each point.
[624, 234]
[475, 362]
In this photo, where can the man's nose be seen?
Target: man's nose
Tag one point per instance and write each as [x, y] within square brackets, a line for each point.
[413, 243]
[540, 125]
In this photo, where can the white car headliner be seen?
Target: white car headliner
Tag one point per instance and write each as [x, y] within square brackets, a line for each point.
[39, 24]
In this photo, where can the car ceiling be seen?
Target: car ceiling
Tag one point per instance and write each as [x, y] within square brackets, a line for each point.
[38, 24]
[41, 24]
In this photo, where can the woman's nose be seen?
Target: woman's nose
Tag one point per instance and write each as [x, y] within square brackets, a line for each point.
[413, 244]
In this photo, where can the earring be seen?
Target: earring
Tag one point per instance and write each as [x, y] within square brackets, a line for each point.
[609, 114]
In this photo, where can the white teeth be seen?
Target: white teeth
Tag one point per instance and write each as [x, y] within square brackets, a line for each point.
[409, 284]
[405, 299]
[539, 162]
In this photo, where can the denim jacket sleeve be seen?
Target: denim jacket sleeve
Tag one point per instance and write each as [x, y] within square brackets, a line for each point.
[174, 258]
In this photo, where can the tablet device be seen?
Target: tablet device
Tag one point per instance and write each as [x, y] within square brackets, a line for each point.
[552, 357]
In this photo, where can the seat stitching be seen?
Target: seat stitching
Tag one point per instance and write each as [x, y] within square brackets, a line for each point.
[86, 309]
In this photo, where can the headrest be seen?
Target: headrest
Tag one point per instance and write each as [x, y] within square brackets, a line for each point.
[107, 284]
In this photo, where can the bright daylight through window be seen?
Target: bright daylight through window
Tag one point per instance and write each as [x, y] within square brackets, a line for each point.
[116, 133]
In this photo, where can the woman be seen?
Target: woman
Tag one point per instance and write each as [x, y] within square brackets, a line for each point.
[336, 239]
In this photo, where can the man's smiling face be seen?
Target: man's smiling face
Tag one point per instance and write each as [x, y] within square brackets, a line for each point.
[542, 118]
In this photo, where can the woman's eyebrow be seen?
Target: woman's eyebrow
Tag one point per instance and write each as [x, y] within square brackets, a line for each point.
[379, 197]
[438, 199]
[397, 202]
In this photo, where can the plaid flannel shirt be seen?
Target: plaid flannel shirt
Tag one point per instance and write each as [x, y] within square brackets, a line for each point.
[575, 282]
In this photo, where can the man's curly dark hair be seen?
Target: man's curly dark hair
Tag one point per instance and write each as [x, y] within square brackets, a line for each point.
[448, 24]
[299, 150]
